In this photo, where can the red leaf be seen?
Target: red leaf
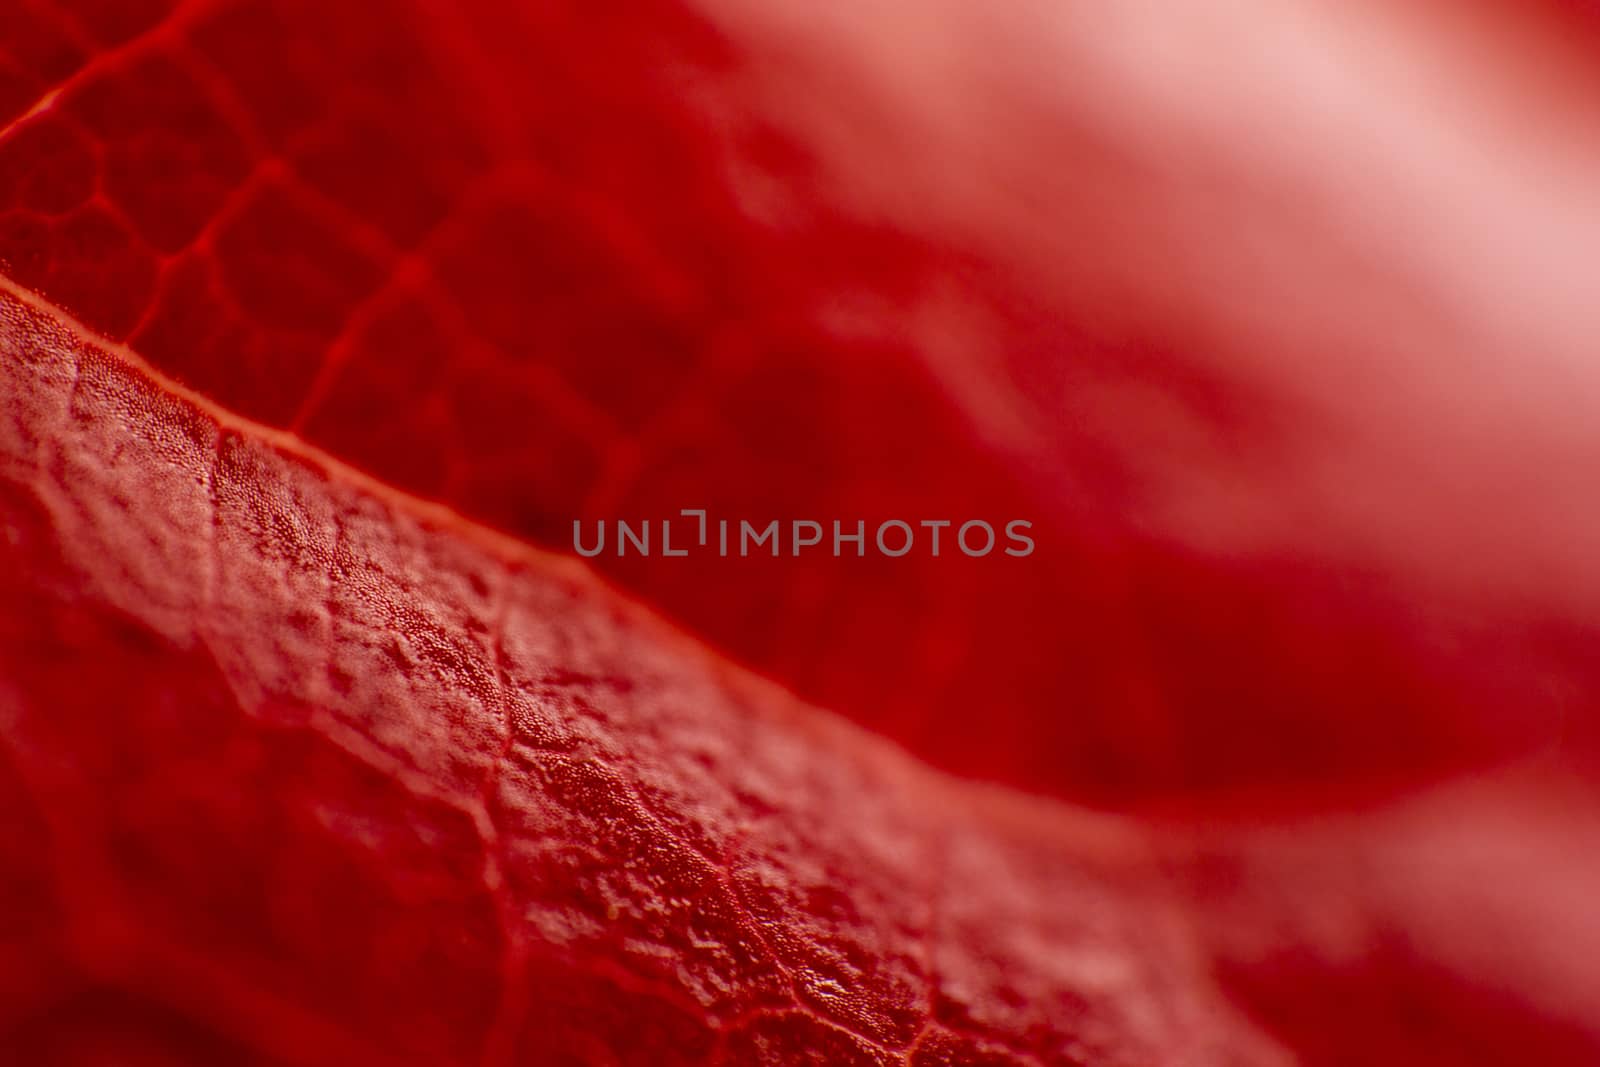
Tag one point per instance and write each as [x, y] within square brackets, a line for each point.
[333, 774]
[542, 267]
[309, 771]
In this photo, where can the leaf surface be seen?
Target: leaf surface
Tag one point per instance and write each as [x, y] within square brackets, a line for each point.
[329, 772]
[314, 343]
[542, 266]
[306, 771]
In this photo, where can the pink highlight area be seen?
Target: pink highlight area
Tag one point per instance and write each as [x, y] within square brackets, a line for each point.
[1376, 220]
